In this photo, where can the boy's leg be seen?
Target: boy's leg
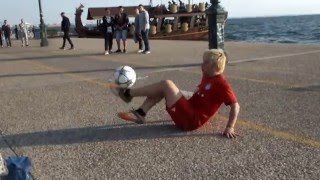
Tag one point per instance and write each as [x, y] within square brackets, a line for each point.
[149, 103]
[163, 89]
[155, 93]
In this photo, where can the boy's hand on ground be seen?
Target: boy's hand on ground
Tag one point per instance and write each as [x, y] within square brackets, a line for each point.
[230, 133]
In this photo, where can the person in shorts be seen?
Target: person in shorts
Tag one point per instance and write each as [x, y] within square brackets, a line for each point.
[188, 114]
[121, 29]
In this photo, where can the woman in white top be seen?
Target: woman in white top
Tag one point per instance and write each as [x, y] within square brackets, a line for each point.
[107, 24]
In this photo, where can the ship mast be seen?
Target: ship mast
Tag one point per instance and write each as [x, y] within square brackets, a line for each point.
[150, 3]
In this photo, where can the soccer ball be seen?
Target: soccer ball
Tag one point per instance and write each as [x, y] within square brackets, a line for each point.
[124, 76]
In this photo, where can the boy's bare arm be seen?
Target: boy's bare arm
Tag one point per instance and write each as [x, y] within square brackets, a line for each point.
[233, 115]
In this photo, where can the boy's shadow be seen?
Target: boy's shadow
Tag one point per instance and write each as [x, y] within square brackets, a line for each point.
[121, 132]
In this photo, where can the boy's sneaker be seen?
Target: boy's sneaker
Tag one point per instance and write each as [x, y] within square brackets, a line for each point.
[118, 51]
[106, 53]
[62, 48]
[139, 51]
[146, 52]
[116, 90]
[132, 116]
[72, 48]
[124, 51]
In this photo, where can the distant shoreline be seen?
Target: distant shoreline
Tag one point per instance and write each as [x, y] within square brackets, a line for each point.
[275, 16]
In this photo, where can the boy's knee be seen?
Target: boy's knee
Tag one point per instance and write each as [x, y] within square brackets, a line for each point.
[168, 84]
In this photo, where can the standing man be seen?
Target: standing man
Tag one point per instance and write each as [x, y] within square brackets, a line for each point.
[145, 27]
[65, 27]
[107, 24]
[137, 31]
[24, 33]
[121, 28]
[7, 32]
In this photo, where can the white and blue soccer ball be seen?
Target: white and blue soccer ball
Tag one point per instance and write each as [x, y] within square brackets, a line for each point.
[124, 76]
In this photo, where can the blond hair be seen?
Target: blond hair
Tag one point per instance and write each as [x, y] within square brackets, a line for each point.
[218, 57]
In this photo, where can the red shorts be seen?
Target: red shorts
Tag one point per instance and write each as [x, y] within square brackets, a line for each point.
[183, 115]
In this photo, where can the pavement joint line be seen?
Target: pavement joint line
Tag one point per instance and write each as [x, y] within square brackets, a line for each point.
[244, 123]
[273, 57]
[190, 69]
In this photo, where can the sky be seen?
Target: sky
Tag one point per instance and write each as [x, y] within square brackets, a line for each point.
[14, 10]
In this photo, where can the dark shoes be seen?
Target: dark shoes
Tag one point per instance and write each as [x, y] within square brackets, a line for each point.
[63, 48]
[120, 92]
[119, 51]
[132, 116]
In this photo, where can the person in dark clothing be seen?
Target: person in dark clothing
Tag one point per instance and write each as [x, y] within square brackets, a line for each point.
[137, 31]
[16, 32]
[65, 27]
[121, 29]
[6, 32]
[33, 32]
[1, 38]
[107, 25]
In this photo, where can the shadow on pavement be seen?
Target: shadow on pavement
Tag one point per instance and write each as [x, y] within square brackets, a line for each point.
[122, 132]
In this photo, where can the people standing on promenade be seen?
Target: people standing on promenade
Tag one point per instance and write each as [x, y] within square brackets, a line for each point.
[107, 24]
[24, 33]
[121, 29]
[65, 27]
[188, 114]
[145, 27]
[6, 32]
[137, 31]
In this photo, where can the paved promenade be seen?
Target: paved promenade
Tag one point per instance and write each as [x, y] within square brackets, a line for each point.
[56, 108]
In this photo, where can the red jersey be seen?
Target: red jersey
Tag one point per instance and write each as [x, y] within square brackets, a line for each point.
[211, 93]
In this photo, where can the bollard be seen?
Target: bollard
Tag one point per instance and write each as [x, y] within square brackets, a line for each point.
[216, 21]
[43, 28]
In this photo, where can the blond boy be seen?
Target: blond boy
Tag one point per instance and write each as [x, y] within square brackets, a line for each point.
[190, 114]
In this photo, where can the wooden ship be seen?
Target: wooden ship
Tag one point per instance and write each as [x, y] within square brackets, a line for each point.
[177, 22]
